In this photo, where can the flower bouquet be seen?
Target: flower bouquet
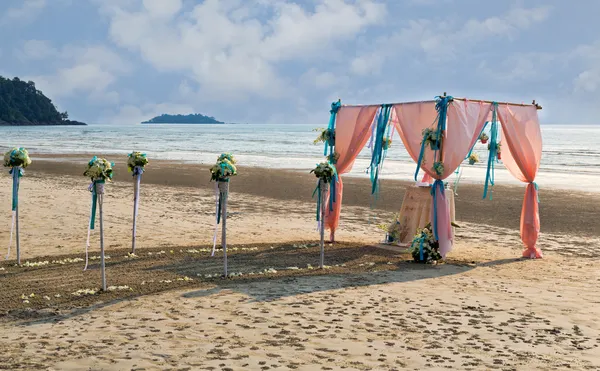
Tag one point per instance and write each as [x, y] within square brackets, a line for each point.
[484, 138]
[424, 248]
[392, 230]
[224, 168]
[473, 158]
[17, 157]
[498, 149]
[136, 159]
[431, 138]
[387, 143]
[333, 158]
[324, 171]
[326, 136]
[438, 167]
[99, 169]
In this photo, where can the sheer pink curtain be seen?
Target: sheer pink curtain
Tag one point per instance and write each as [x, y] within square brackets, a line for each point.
[523, 137]
[464, 123]
[352, 131]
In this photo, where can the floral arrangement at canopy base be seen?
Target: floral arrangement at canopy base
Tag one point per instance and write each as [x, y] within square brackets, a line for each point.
[99, 169]
[324, 171]
[498, 151]
[136, 159]
[333, 158]
[392, 230]
[473, 158]
[431, 139]
[484, 138]
[424, 248]
[17, 157]
[224, 168]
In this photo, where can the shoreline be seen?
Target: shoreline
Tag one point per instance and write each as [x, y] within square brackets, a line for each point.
[570, 212]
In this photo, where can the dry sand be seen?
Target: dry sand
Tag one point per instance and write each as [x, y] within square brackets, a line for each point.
[482, 309]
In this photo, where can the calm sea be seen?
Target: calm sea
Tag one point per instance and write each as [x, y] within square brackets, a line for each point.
[571, 157]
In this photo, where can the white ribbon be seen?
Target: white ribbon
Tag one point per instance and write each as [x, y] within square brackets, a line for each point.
[216, 218]
[87, 243]
[12, 227]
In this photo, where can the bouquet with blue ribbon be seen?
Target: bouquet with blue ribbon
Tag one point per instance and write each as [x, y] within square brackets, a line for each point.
[99, 170]
[136, 163]
[424, 248]
[17, 159]
[221, 173]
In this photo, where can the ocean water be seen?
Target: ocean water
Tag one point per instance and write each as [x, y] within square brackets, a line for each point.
[570, 160]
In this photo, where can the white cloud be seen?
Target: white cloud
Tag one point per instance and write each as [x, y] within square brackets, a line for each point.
[88, 70]
[27, 12]
[320, 80]
[225, 47]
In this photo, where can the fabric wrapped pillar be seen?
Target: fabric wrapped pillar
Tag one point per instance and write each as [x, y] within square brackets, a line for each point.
[523, 137]
[353, 128]
[324, 188]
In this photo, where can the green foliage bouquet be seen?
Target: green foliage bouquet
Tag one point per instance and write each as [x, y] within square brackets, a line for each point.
[99, 168]
[136, 159]
[424, 248]
[431, 138]
[324, 171]
[224, 168]
[17, 157]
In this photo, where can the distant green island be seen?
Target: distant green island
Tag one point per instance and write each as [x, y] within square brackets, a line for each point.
[194, 118]
[21, 104]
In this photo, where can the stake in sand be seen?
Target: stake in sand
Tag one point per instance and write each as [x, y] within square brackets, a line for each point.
[220, 173]
[325, 172]
[100, 171]
[17, 159]
[135, 164]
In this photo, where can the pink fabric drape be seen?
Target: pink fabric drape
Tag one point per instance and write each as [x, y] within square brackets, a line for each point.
[523, 139]
[352, 131]
[464, 123]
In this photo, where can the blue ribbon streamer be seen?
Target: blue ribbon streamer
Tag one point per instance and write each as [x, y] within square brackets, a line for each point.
[537, 191]
[318, 190]
[378, 152]
[94, 201]
[437, 184]
[493, 153]
[330, 142]
[16, 172]
[421, 254]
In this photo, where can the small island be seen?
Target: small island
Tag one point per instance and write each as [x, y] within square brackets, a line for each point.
[194, 118]
[21, 104]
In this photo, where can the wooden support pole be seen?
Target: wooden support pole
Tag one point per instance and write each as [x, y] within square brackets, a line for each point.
[224, 190]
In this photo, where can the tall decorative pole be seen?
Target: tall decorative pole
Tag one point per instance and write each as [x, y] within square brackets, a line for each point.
[100, 171]
[17, 159]
[135, 164]
[220, 173]
[324, 192]
[325, 172]
[100, 192]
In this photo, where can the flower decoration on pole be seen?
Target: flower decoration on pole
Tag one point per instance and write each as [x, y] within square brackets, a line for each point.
[325, 173]
[473, 158]
[136, 163]
[221, 172]
[17, 159]
[100, 171]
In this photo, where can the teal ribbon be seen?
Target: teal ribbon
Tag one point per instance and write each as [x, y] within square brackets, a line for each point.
[378, 151]
[92, 189]
[493, 153]
[16, 172]
[441, 106]
[537, 191]
[421, 254]
[330, 143]
[318, 190]
[437, 184]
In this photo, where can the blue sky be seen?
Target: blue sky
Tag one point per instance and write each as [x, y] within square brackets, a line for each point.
[277, 61]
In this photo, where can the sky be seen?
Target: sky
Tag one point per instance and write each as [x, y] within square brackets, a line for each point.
[280, 61]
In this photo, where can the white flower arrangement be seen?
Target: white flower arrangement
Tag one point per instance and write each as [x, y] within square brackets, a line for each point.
[17, 157]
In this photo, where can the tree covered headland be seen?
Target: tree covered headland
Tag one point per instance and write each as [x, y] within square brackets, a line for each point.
[194, 118]
[22, 104]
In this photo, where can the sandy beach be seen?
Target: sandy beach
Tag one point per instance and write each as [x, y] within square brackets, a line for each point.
[371, 309]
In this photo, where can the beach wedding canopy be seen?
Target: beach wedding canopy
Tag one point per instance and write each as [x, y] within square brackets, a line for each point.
[439, 135]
